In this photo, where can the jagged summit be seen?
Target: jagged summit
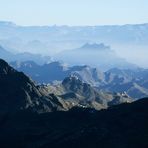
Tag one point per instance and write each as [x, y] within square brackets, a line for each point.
[81, 93]
[100, 46]
[72, 79]
[57, 64]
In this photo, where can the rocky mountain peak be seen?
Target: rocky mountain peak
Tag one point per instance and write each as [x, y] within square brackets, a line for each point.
[95, 46]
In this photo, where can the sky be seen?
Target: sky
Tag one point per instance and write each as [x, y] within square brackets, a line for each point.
[74, 12]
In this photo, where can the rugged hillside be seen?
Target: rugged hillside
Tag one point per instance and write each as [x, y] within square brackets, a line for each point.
[18, 92]
[81, 94]
[23, 125]
[56, 71]
[124, 126]
[132, 81]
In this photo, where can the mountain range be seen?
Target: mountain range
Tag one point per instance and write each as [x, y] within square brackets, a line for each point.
[19, 92]
[132, 81]
[96, 55]
[73, 86]
[65, 115]
[28, 117]
[48, 40]
[99, 55]
[81, 94]
[25, 56]
[18, 35]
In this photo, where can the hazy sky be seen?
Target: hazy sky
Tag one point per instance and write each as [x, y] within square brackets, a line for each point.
[74, 12]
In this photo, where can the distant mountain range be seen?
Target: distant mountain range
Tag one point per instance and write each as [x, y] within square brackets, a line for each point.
[21, 35]
[96, 55]
[132, 81]
[49, 40]
[9, 56]
[99, 55]
[56, 71]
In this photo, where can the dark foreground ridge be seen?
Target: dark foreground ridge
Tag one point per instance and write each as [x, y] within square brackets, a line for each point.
[124, 126]
[30, 118]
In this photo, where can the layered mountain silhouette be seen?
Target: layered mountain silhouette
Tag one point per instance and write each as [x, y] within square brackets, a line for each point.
[24, 56]
[52, 105]
[48, 40]
[96, 55]
[132, 81]
[95, 46]
[55, 37]
[30, 116]
[18, 92]
[56, 71]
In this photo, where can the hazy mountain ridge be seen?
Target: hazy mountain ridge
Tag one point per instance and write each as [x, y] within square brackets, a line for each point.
[114, 32]
[25, 56]
[56, 71]
[132, 81]
[74, 74]
[96, 55]
[49, 40]
[99, 55]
